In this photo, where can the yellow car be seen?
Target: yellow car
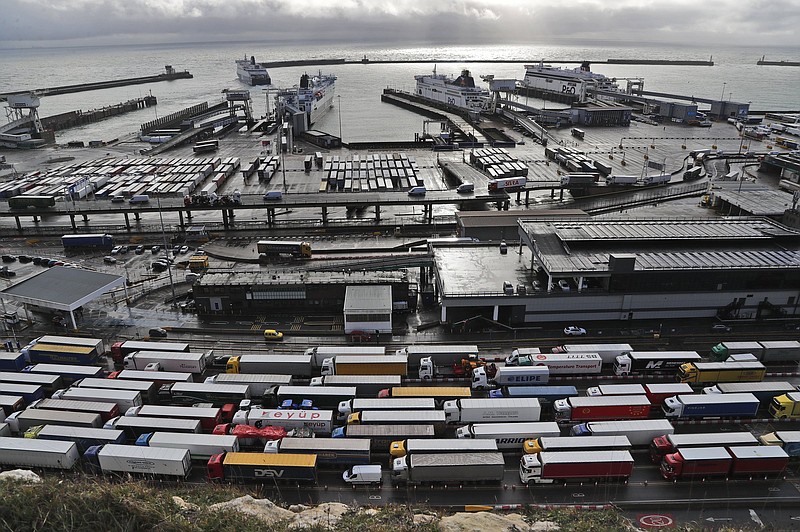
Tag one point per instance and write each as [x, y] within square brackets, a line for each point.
[272, 334]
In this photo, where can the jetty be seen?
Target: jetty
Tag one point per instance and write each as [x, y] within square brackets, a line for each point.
[169, 75]
[763, 61]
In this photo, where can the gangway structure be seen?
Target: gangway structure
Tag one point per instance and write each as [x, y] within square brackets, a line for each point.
[23, 121]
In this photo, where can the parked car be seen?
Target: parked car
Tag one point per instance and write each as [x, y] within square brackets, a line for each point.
[5, 272]
[720, 327]
[124, 249]
[155, 249]
[8, 258]
[108, 259]
[563, 285]
[139, 249]
[24, 259]
[116, 249]
[573, 330]
[184, 250]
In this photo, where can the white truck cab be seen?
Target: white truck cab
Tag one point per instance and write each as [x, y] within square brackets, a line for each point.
[363, 474]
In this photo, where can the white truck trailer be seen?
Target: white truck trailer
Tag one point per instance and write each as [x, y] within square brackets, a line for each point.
[492, 410]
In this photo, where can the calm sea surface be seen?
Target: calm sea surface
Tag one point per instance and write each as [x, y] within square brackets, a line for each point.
[363, 117]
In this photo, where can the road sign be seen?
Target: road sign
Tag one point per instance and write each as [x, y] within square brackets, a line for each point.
[656, 520]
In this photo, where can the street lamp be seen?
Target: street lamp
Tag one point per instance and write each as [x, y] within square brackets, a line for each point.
[166, 249]
[339, 106]
[722, 98]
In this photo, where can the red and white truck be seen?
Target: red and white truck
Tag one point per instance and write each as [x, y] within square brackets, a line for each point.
[549, 467]
[508, 184]
[602, 408]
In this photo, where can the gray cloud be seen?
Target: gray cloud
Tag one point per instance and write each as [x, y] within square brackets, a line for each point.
[760, 22]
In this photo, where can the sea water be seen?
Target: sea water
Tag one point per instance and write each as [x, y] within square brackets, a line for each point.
[358, 111]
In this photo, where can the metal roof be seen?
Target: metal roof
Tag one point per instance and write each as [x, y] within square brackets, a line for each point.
[62, 288]
[582, 247]
[368, 298]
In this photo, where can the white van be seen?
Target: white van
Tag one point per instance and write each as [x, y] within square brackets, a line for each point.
[363, 474]
[465, 187]
[139, 198]
[117, 198]
[417, 191]
[273, 195]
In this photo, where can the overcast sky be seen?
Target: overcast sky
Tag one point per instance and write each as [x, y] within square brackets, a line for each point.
[78, 22]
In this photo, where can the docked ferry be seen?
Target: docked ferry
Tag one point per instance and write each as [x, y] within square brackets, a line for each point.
[459, 92]
[314, 96]
[572, 81]
[251, 72]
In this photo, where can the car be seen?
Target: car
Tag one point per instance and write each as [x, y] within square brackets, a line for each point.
[184, 250]
[563, 285]
[5, 272]
[721, 327]
[37, 260]
[157, 332]
[465, 187]
[8, 258]
[155, 249]
[573, 330]
[537, 286]
[176, 250]
[117, 198]
[272, 334]
[51, 263]
[124, 249]
[108, 259]
[24, 259]
[115, 250]
[139, 250]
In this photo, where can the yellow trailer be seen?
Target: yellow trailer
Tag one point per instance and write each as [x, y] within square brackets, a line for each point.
[700, 372]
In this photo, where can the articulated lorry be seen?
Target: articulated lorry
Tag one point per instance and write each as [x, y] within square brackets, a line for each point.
[440, 355]
[711, 405]
[724, 462]
[320, 396]
[615, 389]
[508, 435]
[200, 446]
[441, 445]
[83, 437]
[135, 459]
[365, 365]
[263, 467]
[786, 406]
[764, 391]
[658, 392]
[359, 405]
[788, 440]
[653, 361]
[329, 451]
[608, 352]
[168, 361]
[701, 372]
[568, 443]
[321, 353]
[764, 351]
[382, 436]
[300, 366]
[671, 443]
[484, 378]
[365, 385]
[418, 468]
[319, 421]
[545, 394]
[640, 432]
[259, 382]
[559, 363]
[602, 408]
[549, 467]
[492, 410]
[24, 452]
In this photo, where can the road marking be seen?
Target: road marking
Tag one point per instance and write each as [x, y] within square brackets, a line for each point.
[717, 519]
[756, 519]
[656, 520]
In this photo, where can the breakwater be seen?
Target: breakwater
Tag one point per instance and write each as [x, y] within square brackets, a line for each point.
[367, 61]
[169, 75]
[77, 118]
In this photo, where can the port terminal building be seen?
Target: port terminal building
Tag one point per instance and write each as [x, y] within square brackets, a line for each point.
[581, 270]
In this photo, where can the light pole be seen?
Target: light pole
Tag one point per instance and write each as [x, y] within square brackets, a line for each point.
[166, 249]
[339, 107]
[722, 98]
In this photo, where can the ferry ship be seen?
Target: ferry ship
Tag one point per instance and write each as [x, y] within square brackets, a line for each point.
[313, 97]
[459, 92]
[573, 81]
[251, 72]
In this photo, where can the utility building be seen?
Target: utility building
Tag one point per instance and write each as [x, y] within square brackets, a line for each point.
[368, 308]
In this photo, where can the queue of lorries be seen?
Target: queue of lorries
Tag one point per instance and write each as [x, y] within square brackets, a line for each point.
[257, 421]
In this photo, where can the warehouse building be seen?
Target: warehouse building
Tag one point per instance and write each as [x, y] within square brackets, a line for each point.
[582, 270]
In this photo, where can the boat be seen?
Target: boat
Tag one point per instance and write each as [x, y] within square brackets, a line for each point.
[573, 81]
[313, 97]
[251, 72]
[459, 92]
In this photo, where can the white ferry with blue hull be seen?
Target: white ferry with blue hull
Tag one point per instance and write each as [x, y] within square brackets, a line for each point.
[459, 92]
[252, 73]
